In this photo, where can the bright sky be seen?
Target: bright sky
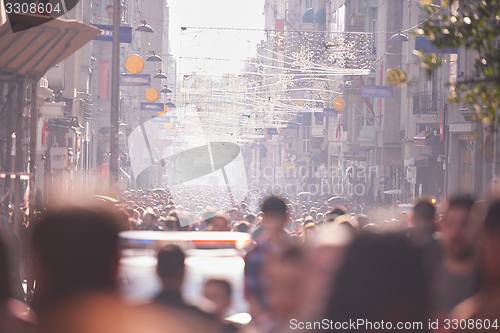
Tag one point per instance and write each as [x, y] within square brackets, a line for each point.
[232, 44]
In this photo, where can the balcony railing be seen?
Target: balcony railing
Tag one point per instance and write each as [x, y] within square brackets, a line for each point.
[425, 103]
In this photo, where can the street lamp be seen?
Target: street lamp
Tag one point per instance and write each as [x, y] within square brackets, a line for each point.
[160, 75]
[166, 90]
[399, 37]
[170, 104]
[154, 57]
[144, 27]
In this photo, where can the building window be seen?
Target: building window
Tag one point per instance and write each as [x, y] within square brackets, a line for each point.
[306, 135]
[319, 120]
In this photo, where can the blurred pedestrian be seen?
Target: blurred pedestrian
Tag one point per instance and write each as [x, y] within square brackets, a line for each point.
[310, 229]
[457, 273]
[288, 287]
[150, 221]
[334, 212]
[250, 218]
[220, 292]
[220, 222]
[76, 256]
[381, 279]
[275, 216]
[171, 270]
[484, 308]
[422, 225]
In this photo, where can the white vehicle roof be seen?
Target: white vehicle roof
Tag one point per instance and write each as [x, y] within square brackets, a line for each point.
[211, 239]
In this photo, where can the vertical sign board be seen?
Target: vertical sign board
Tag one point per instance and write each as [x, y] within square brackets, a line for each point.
[68, 107]
[104, 67]
[279, 41]
[441, 124]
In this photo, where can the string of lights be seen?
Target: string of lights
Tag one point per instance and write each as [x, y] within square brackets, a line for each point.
[288, 73]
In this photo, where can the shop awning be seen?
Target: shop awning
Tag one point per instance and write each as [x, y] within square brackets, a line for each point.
[320, 16]
[308, 16]
[421, 138]
[42, 43]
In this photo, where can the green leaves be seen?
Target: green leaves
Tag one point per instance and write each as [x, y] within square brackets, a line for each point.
[475, 26]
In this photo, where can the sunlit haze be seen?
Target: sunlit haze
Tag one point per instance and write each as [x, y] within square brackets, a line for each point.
[193, 47]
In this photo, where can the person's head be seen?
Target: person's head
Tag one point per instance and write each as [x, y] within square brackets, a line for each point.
[334, 212]
[403, 218]
[308, 219]
[171, 268]
[233, 214]
[275, 214]
[76, 250]
[174, 213]
[242, 227]
[220, 222]
[309, 231]
[208, 216]
[347, 223]
[250, 218]
[424, 215]
[459, 235]
[239, 216]
[150, 219]
[171, 224]
[219, 291]
[490, 261]
[370, 227]
[363, 220]
[381, 278]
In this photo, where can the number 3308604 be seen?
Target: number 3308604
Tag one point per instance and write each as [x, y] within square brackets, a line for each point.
[31, 8]
[470, 324]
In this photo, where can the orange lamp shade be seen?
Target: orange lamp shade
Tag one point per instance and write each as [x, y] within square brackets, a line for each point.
[151, 94]
[338, 104]
[134, 64]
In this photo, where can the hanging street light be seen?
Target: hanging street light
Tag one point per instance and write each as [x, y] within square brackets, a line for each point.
[160, 75]
[154, 57]
[170, 104]
[144, 27]
[166, 90]
[399, 37]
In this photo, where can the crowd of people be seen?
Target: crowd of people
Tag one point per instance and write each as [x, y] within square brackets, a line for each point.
[311, 266]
